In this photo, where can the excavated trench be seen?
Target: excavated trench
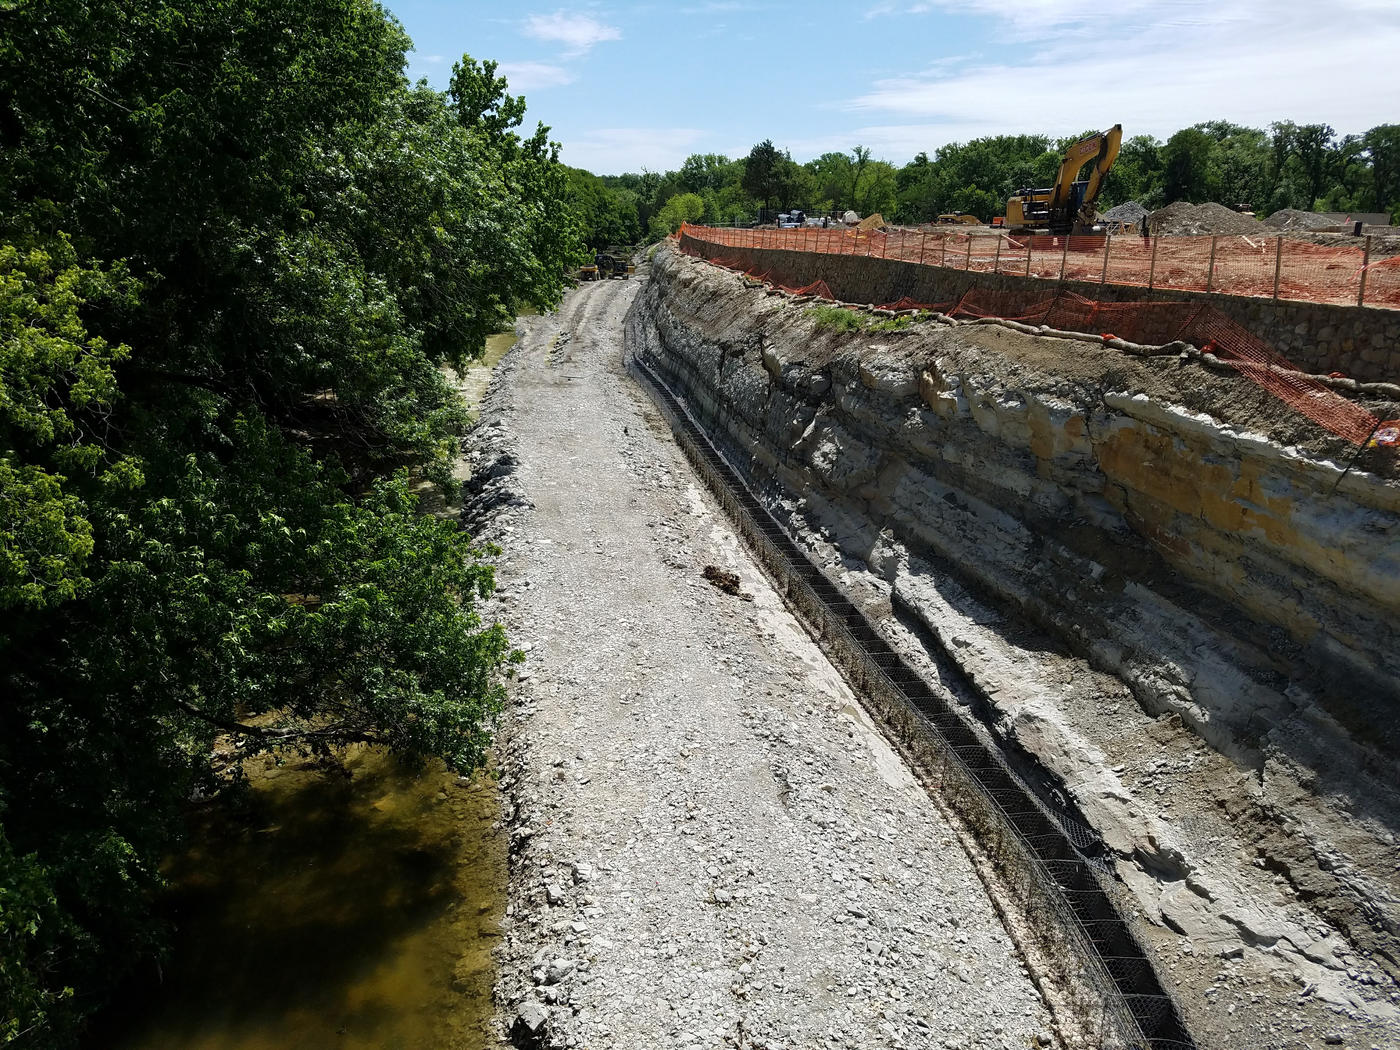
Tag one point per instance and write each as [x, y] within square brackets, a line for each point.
[1161, 606]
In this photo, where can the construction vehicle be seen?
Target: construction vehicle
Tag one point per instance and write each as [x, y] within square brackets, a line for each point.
[1067, 206]
[957, 218]
[608, 264]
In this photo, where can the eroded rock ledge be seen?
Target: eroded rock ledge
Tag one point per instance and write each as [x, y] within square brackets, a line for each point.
[1178, 596]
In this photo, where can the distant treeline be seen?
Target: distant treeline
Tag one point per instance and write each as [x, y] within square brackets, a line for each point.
[1304, 166]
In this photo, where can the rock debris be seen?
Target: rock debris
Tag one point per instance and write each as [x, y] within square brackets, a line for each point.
[711, 846]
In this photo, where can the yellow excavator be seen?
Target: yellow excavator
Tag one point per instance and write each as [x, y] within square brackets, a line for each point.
[1067, 206]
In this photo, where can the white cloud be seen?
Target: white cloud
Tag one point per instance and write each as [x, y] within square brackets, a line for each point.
[612, 151]
[578, 33]
[535, 76]
[431, 59]
[1163, 67]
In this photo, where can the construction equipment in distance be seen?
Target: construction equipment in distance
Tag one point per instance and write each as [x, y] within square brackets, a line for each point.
[1067, 206]
[957, 218]
[607, 265]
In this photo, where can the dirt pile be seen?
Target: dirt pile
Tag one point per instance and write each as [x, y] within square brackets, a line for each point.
[1293, 219]
[1209, 219]
[1127, 212]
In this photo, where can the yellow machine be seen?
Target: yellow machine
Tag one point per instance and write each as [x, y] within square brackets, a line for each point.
[1068, 206]
[958, 218]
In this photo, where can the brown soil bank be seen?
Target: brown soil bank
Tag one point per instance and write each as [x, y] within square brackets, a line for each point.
[1172, 592]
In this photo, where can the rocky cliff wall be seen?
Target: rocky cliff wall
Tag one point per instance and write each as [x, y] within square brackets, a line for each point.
[1175, 531]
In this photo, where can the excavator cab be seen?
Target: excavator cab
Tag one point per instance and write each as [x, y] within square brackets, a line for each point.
[1068, 206]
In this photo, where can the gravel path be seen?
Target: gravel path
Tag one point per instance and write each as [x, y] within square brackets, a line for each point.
[711, 845]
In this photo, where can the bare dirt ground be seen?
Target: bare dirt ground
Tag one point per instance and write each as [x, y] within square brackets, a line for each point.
[711, 845]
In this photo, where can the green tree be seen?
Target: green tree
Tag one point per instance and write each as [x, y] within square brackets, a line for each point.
[707, 171]
[860, 158]
[237, 249]
[831, 182]
[1137, 175]
[608, 214]
[1382, 144]
[1186, 160]
[683, 207]
[876, 190]
[765, 174]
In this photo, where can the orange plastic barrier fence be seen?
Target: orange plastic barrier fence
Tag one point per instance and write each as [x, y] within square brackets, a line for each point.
[1144, 322]
[1268, 267]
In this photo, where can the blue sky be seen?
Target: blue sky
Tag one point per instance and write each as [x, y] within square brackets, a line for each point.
[626, 86]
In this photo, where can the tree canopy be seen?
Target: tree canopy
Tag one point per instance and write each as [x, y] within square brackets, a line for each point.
[237, 249]
[1284, 166]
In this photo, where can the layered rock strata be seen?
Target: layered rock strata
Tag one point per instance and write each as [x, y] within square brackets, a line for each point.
[1175, 594]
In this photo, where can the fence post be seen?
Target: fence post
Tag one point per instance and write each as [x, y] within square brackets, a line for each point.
[967, 262]
[923, 245]
[942, 248]
[996, 262]
[1103, 273]
[1278, 264]
[1152, 266]
[1064, 255]
[1365, 262]
[1210, 269]
[1028, 254]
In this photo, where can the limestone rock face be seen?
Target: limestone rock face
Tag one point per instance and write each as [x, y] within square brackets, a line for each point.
[1179, 530]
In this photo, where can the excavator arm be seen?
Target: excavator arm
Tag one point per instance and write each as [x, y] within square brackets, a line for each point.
[1108, 153]
[1102, 149]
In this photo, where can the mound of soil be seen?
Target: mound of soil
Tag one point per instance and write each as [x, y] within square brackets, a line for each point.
[1209, 219]
[1293, 219]
[1128, 211]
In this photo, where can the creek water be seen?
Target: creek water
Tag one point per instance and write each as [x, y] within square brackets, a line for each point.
[332, 910]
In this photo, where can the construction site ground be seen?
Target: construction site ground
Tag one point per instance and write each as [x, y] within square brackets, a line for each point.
[1265, 265]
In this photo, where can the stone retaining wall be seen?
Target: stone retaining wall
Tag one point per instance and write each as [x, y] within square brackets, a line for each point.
[1361, 342]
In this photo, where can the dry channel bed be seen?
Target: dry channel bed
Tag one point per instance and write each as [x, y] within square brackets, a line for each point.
[711, 845]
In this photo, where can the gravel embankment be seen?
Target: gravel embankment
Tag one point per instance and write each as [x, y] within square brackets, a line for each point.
[711, 845]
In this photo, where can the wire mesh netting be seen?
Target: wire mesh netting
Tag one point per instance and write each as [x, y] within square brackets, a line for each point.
[1069, 901]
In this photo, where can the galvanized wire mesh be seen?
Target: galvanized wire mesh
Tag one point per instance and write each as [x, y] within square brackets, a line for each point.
[1071, 904]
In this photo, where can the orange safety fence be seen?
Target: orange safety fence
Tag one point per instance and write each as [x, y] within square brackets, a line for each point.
[1150, 323]
[1268, 267]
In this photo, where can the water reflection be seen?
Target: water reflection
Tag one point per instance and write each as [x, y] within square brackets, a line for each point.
[331, 911]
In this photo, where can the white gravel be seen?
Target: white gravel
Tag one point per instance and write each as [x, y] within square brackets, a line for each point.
[711, 845]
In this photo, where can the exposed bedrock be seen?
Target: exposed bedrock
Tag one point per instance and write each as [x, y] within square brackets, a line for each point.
[1180, 534]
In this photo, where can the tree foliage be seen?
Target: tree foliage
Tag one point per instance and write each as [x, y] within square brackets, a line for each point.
[237, 248]
[767, 178]
[1285, 166]
[682, 208]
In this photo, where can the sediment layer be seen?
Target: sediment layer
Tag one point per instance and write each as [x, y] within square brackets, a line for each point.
[1117, 548]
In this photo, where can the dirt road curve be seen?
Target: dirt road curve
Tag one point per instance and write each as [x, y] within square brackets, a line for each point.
[711, 845]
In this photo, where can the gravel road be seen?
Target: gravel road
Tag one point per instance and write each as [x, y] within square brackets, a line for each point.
[711, 844]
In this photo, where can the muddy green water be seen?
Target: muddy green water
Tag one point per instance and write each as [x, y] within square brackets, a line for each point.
[330, 912]
[326, 912]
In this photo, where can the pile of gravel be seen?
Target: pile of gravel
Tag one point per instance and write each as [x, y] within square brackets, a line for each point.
[1127, 212]
[1293, 219]
[1209, 219]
